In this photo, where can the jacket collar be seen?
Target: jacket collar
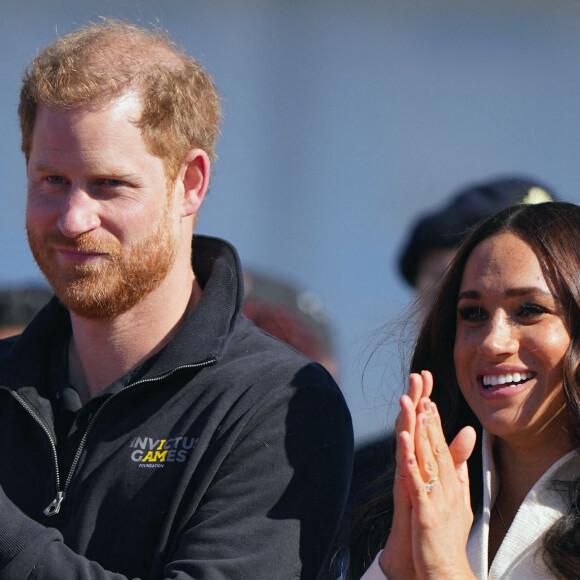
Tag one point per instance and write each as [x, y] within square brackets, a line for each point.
[206, 333]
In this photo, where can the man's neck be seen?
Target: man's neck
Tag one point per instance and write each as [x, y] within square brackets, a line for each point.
[102, 351]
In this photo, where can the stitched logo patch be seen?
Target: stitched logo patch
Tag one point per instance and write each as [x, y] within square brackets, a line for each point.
[155, 453]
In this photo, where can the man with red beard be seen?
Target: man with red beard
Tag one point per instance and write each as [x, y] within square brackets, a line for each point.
[148, 429]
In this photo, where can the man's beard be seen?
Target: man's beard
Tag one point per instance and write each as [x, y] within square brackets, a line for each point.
[119, 279]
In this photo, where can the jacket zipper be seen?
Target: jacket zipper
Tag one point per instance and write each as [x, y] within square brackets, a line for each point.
[55, 505]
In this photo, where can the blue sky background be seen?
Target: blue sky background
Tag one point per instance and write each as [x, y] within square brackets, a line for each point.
[344, 119]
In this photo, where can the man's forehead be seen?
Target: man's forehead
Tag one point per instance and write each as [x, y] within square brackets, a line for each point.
[127, 104]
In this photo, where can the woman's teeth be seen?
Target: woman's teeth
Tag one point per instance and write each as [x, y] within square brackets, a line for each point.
[507, 379]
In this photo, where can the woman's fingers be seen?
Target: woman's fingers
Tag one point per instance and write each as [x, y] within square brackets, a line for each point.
[461, 449]
[409, 466]
[441, 450]
[420, 386]
[427, 379]
[415, 387]
[440, 512]
[397, 556]
[438, 464]
[405, 448]
[462, 446]
[426, 460]
[435, 480]
[407, 415]
[415, 406]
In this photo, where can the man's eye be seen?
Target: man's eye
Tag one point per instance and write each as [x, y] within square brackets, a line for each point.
[55, 179]
[111, 182]
[472, 313]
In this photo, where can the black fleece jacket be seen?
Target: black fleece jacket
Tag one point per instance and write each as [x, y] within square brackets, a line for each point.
[227, 455]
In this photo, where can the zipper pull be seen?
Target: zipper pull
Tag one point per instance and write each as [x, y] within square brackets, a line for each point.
[54, 507]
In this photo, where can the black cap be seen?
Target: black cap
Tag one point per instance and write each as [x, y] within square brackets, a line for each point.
[447, 226]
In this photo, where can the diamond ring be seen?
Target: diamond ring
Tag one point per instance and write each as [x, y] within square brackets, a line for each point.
[431, 484]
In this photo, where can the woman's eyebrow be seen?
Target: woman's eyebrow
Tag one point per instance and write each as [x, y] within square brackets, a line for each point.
[473, 294]
[510, 293]
[527, 290]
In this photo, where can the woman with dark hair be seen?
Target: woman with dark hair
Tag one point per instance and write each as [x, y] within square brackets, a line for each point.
[501, 344]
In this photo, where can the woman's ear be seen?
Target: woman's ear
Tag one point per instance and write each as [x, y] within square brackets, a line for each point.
[194, 176]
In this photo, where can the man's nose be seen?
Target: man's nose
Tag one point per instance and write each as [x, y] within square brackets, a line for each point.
[79, 215]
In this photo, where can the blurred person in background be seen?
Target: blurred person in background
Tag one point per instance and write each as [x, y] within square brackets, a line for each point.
[19, 305]
[436, 234]
[295, 315]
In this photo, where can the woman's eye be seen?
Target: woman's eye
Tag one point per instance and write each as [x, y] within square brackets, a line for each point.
[472, 313]
[530, 310]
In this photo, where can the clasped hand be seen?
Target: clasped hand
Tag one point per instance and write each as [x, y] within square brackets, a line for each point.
[432, 512]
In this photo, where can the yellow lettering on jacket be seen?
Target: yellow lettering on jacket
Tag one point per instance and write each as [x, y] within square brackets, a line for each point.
[153, 457]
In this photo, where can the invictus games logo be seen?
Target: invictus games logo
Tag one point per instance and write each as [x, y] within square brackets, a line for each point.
[155, 453]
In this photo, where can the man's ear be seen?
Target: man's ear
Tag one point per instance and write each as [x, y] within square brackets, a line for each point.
[194, 175]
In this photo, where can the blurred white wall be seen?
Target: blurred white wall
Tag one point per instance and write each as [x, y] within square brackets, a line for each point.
[344, 118]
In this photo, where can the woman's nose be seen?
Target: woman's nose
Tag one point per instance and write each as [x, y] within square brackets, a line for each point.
[500, 338]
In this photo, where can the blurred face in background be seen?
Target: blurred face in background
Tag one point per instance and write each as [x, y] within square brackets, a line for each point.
[431, 268]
